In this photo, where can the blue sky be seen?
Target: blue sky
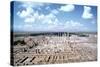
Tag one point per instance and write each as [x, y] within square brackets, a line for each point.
[36, 17]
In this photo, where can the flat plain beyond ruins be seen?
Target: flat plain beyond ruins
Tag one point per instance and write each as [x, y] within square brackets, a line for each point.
[53, 47]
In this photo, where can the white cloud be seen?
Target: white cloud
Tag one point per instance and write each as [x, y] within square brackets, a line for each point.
[31, 17]
[73, 24]
[67, 8]
[87, 13]
[66, 26]
[30, 20]
[25, 13]
[28, 13]
[48, 21]
[55, 11]
[47, 8]
[31, 4]
[50, 15]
